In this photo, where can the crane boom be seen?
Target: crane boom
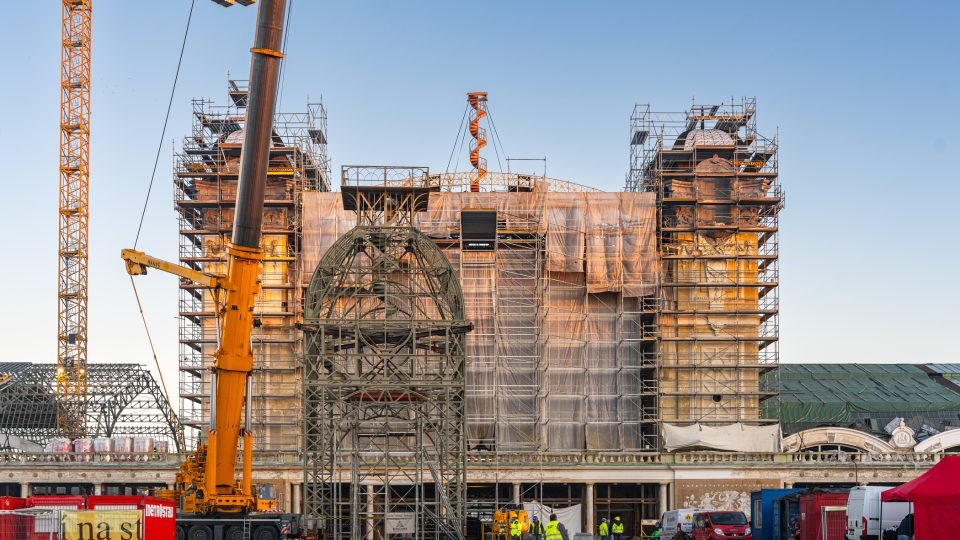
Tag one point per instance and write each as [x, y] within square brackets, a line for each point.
[233, 362]
[207, 481]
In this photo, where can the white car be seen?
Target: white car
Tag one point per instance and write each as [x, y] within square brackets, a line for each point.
[676, 521]
[867, 518]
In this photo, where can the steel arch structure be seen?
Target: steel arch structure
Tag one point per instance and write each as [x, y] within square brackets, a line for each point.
[124, 400]
[384, 376]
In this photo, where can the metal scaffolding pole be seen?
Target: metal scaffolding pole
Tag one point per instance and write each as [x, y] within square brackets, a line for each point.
[384, 371]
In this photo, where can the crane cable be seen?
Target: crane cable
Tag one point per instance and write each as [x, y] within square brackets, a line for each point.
[156, 362]
[166, 119]
[456, 141]
[143, 213]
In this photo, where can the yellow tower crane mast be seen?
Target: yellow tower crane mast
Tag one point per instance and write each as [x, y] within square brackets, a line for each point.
[73, 217]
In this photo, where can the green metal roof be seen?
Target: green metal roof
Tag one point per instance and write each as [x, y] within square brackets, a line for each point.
[950, 371]
[841, 394]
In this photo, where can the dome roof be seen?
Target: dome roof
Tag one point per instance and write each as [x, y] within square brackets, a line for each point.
[236, 137]
[704, 137]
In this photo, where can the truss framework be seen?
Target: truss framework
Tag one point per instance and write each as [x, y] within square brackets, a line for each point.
[384, 375]
[71, 375]
[123, 400]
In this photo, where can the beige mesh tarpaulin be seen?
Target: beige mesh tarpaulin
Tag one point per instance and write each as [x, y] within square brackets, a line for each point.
[324, 220]
[554, 360]
[639, 243]
[736, 437]
[604, 246]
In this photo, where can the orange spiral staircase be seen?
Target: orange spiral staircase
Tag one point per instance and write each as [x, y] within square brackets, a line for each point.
[478, 103]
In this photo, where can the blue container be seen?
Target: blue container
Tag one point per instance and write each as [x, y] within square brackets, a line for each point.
[765, 512]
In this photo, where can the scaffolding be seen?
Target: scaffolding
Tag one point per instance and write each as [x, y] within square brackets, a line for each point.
[206, 170]
[123, 400]
[384, 368]
[715, 179]
[559, 281]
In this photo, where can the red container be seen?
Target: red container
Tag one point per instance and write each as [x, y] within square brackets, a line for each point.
[823, 510]
[44, 528]
[115, 502]
[159, 515]
[12, 526]
[12, 503]
[58, 502]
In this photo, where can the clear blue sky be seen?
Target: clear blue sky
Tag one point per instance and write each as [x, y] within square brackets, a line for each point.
[863, 93]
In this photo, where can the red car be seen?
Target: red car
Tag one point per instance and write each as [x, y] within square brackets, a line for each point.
[721, 525]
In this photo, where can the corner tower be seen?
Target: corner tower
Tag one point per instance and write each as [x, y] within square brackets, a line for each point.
[718, 199]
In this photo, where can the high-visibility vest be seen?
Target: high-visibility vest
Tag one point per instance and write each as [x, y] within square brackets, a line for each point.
[604, 529]
[617, 527]
[552, 530]
[515, 528]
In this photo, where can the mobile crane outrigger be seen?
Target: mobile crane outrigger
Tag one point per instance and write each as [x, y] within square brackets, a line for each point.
[214, 503]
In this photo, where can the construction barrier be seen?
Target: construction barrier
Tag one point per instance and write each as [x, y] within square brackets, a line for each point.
[101, 524]
[87, 518]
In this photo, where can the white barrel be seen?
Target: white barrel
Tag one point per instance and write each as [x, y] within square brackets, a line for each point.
[144, 447]
[102, 444]
[123, 445]
[162, 447]
[84, 449]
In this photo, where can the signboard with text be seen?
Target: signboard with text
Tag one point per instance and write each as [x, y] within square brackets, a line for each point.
[401, 524]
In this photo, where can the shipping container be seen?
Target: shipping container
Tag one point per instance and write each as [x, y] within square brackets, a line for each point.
[159, 515]
[13, 526]
[47, 527]
[765, 522]
[12, 503]
[823, 515]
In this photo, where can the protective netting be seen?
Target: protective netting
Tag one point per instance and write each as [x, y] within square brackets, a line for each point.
[555, 360]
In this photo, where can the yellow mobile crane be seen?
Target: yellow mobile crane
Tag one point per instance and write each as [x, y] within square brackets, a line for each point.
[214, 503]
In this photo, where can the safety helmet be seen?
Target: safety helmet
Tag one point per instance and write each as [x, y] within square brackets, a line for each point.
[616, 518]
[603, 520]
[536, 518]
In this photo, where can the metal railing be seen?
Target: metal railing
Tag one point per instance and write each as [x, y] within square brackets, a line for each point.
[293, 458]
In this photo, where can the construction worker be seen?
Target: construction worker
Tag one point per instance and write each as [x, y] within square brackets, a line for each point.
[554, 530]
[617, 528]
[537, 531]
[516, 530]
[604, 531]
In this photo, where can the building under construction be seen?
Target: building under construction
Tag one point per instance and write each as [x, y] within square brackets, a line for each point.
[714, 177]
[503, 338]
[205, 180]
[604, 325]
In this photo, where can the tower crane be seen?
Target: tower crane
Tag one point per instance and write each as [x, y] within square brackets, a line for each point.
[73, 211]
[215, 503]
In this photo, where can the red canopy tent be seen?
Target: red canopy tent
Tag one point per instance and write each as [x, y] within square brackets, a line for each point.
[936, 500]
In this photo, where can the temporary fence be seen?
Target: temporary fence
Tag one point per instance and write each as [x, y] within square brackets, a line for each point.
[87, 518]
[833, 523]
[50, 524]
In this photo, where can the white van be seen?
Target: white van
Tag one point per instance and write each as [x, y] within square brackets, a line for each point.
[864, 513]
[675, 521]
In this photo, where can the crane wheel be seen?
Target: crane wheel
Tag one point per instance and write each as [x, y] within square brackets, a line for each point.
[266, 532]
[200, 532]
[234, 532]
[181, 534]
